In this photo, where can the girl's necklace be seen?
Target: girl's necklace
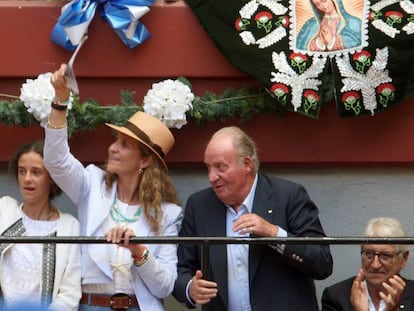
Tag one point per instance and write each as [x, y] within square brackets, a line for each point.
[119, 217]
[52, 211]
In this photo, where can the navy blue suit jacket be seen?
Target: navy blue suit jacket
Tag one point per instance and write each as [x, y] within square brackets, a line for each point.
[337, 296]
[276, 281]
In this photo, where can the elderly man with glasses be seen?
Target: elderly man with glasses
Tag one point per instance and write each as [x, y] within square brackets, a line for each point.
[378, 285]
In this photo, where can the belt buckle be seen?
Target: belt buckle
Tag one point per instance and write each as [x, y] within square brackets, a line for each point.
[117, 301]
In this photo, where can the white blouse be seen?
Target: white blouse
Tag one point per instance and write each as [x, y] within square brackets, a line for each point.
[22, 266]
[120, 257]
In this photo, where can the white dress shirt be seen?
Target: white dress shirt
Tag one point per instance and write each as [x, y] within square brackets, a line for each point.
[371, 304]
[238, 258]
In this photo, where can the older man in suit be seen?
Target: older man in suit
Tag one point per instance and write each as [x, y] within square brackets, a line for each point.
[378, 285]
[242, 202]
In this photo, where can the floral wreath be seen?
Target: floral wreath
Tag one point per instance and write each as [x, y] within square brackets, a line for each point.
[171, 101]
[360, 54]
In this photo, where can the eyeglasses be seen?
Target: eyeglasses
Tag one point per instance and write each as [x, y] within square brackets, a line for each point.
[384, 257]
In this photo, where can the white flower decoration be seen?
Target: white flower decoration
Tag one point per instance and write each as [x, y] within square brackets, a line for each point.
[37, 96]
[168, 101]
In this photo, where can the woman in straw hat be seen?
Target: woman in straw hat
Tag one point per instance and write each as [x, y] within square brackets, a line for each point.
[132, 196]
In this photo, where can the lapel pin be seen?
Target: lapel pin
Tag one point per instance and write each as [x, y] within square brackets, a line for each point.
[269, 211]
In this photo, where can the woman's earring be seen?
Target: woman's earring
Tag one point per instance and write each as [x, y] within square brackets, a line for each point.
[140, 171]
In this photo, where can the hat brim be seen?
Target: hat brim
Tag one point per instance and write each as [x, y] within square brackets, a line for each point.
[127, 132]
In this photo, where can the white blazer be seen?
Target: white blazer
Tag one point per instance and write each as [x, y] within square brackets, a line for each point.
[67, 283]
[153, 281]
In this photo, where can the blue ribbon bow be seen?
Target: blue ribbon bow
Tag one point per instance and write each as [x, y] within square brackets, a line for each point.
[122, 15]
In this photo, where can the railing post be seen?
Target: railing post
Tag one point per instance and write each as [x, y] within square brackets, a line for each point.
[205, 263]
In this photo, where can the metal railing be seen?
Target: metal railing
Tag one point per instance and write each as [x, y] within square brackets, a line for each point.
[211, 240]
[205, 242]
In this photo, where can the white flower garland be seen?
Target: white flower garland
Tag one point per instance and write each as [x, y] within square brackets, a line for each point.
[37, 96]
[169, 101]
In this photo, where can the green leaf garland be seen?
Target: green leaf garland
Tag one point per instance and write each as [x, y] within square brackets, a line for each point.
[242, 103]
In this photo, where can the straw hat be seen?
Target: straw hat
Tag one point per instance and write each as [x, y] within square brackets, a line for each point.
[149, 131]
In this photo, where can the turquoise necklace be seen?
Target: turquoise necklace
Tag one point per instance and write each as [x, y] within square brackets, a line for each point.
[119, 217]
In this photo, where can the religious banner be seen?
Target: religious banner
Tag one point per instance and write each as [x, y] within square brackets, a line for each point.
[306, 53]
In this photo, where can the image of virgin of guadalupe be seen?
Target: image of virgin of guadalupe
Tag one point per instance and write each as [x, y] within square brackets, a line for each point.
[331, 28]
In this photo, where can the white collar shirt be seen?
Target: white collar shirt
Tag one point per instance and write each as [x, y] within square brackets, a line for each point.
[238, 258]
[370, 302]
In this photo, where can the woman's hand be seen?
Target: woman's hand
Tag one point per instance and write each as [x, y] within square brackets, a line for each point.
[119, 233]
[58, 80]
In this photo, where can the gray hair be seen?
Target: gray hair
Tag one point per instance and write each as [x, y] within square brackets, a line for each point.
[386, 227]
[243, 144]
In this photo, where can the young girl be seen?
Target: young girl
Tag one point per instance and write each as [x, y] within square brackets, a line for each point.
[46, 275]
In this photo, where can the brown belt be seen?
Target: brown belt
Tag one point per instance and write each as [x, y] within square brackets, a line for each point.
[117, 301]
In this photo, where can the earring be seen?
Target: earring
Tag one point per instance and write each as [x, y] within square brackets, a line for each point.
[140, 171]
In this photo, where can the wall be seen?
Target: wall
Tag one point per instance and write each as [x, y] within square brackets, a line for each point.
[180, 47]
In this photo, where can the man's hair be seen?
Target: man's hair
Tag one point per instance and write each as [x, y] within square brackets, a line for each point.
[243, 144]
[386, 227]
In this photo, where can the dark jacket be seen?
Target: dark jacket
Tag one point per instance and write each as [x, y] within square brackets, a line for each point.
[337, 296]
[276, 281]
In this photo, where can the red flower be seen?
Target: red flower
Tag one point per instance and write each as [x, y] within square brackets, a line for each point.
[386, 89]
[285, 21]
[350, 97]
[394, 14]
[279, 89]
[263, 16]
[298, 57]
[371, 16]
[311, 96]
[361, 56]
[238, 24]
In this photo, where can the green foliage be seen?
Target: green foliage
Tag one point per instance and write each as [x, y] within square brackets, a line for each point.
[15, 113]
[241, 103]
